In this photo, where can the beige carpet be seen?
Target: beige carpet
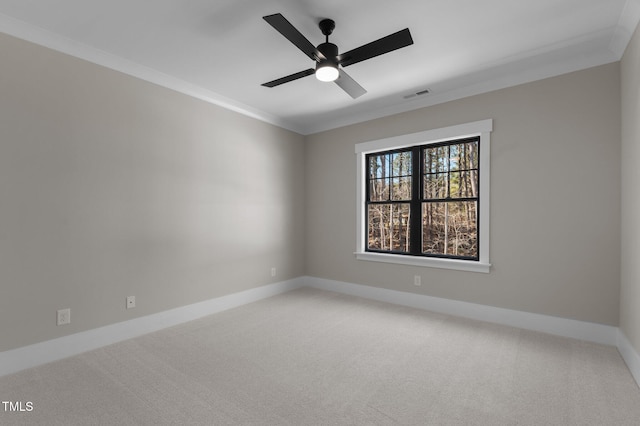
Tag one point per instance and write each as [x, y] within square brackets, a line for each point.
[310, 357]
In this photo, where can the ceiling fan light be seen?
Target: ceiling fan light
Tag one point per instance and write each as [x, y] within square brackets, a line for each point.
[327, 72]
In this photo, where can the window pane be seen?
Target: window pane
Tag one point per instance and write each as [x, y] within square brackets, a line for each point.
[464, 184]
[450, 228]
[388, 227]
[471, 155]
[401, 188]
[454, 157]
[379, 190]
[435, 186]
[463, 156]
[378, 166]
[436, 159]
[401, 163]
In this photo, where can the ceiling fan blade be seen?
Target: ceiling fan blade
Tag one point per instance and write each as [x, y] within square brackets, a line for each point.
[290, 32]
[289, 78]
[375, 48]
[349, 85]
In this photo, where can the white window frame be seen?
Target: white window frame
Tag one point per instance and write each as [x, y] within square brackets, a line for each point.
[482, 129]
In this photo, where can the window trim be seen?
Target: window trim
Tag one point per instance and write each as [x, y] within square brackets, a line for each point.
[482, 129]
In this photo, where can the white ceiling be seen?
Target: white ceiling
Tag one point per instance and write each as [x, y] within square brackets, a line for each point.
[222, 50]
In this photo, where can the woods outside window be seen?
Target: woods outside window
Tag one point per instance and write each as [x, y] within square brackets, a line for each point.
[439, 184]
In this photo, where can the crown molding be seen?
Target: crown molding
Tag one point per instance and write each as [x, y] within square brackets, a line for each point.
[524, 68]
[50, 40]
[627, 24]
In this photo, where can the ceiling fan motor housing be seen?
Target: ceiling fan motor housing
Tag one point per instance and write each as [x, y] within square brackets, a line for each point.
[330, 51]
[327, 69]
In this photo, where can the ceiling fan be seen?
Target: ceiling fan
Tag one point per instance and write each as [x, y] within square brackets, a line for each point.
[329, 63]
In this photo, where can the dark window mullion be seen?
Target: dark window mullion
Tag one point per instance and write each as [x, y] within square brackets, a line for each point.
[478, 235]
[417, 178]
[449, 200]
[384, 203]
[448, 171]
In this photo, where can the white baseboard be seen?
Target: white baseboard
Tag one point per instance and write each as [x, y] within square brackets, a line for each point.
[52, 350]
[582, 330]
[41, 353]
[629, 355]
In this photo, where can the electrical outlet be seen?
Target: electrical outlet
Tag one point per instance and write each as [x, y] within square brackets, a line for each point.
[273, 271]
[131, 302]
[417, 280]
[64, 316]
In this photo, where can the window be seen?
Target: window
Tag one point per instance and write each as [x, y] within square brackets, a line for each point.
[435, 184]
[423, 199]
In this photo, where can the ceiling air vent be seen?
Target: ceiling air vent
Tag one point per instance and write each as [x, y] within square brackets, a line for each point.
[413, 95]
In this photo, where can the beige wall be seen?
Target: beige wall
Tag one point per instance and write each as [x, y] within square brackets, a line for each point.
[630, 176]
[110, 186]
[555, 199]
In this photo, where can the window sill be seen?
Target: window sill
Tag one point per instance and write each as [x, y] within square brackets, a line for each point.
[427, 262]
